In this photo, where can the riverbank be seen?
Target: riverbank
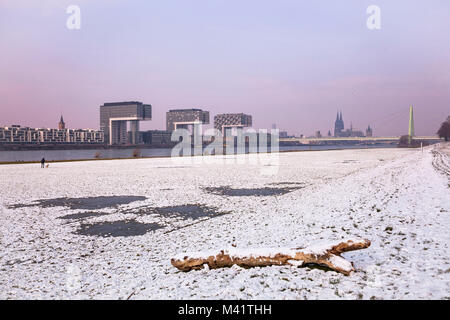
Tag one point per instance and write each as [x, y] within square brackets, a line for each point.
[76, 146]
[23, 157]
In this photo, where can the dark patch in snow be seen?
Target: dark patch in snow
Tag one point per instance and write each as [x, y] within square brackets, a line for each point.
[189, 211]
[167, 217]
[84, 215]
[286, 183]
[350, 161]
[117, 229]
[86, 203]
[241, 192]
[16, 261]
[184, 212]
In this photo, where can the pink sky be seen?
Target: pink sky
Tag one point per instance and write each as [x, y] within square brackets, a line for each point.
[291, 63]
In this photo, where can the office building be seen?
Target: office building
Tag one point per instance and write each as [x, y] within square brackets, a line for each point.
[114, 117]
[185, 118]
[232, 120]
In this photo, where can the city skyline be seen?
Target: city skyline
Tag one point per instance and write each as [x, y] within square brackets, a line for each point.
[62, 124]
[293, 64]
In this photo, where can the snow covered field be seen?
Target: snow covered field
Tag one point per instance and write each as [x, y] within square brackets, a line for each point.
[108, 229]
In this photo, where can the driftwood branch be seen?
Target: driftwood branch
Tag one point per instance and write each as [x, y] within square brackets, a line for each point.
[326, 255]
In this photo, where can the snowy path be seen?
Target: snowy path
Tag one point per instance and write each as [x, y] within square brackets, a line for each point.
[397, 198]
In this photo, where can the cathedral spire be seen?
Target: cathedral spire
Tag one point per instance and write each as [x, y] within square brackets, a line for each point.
[338, 125]
[61, 124]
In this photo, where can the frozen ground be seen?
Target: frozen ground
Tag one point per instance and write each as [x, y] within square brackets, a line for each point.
[107, 229]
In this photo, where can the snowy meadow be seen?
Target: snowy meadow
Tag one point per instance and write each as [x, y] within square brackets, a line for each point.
[109, 228]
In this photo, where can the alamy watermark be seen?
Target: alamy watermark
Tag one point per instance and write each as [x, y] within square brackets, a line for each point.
[374, 20]
[243, 146]
[74, 20]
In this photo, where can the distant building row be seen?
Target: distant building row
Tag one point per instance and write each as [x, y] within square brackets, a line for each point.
[18, 134]
[114, 120]
[115, 116]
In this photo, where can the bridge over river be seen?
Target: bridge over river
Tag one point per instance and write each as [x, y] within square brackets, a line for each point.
[353, 140]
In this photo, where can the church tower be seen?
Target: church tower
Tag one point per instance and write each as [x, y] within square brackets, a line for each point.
[61, 124]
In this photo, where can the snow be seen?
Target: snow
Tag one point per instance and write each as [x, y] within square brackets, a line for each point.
[297, 263]
[341, 263]
[397, 198]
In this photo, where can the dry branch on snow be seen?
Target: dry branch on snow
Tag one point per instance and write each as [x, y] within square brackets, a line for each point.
[326, 255]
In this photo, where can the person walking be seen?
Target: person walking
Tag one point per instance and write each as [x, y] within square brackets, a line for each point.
[43, 163]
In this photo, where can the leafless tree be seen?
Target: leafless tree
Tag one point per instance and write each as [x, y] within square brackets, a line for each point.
[444, 130]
